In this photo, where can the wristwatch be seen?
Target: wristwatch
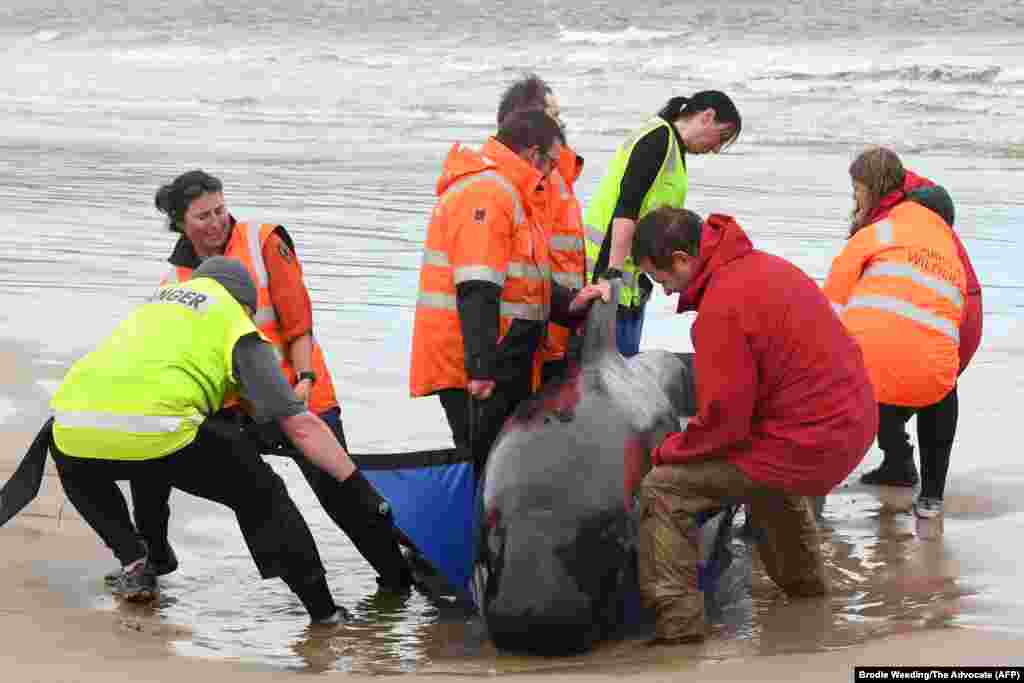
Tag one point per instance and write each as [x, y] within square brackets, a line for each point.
[612, 273]
[307, 374]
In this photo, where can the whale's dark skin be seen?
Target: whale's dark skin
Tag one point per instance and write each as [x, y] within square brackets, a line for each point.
[557, 528]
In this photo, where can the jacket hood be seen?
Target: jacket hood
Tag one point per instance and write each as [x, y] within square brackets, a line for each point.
[911, 182]
[570, 164]
[463, 161]
[722, 241]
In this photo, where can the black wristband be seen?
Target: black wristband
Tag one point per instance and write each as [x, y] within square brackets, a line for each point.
[307, 374]
[612, 273]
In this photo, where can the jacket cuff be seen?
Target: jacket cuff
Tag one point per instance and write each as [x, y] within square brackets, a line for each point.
[656, 456]
[480, 366]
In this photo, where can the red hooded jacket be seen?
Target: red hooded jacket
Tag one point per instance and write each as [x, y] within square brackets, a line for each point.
[971, 324]
[782, 391]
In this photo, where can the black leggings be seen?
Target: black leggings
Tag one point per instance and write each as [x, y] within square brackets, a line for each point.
[479, 430]
[936, 429]
[229, 472]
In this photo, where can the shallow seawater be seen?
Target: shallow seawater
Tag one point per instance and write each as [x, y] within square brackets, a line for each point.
[891, 573]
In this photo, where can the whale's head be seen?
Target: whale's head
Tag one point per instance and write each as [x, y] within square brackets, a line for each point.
[547, 579]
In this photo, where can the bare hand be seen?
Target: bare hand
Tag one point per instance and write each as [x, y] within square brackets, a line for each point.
[480, 388]
[586, 296]
[302, 390]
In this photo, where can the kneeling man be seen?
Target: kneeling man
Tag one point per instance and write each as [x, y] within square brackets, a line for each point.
[785, 410]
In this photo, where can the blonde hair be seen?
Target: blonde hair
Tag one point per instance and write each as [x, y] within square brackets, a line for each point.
[880, 171]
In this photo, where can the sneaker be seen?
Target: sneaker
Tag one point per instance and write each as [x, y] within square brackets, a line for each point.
[160, 566]
[138, 584]
[928, 508]
[889, 474]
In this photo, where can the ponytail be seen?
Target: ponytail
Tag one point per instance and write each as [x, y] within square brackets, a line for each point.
[673, 108]
[724, 108]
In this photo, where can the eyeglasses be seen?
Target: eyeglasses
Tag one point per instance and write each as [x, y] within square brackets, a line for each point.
[547, 161]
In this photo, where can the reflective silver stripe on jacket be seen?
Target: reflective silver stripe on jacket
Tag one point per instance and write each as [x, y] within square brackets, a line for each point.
[906, 310]
[516, 269]
[565, 243]
[435, 257]
[883, 232]
[568, 280]
[265, 314]
[256, 254]
[136, 424]
[941, 287]
[523, 311]
[485, 273]
[528, 271]
[447, 302]
[459, 186]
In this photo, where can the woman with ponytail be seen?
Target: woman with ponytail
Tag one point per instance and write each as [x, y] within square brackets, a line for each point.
[648, 171]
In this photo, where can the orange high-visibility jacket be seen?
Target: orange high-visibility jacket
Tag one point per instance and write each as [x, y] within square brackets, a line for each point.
[246, 245]
[482, 229]
[565, 225]
[900, 288]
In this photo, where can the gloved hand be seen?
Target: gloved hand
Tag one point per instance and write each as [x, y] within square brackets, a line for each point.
[369, 523]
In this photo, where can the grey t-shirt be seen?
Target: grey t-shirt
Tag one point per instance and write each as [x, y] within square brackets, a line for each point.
[263, 383]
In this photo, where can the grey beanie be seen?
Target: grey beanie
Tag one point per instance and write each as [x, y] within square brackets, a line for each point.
[232, 276]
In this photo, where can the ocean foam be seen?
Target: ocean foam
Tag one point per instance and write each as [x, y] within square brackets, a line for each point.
[46, 36]
[631, 34]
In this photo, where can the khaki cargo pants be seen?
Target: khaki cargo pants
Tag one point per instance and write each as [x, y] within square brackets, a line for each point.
[671, 496]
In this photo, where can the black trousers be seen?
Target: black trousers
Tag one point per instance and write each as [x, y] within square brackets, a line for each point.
[373, 536]
[475, 424]
[936, 429]
[227, 471]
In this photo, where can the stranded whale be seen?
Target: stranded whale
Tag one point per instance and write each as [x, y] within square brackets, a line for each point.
[554, 570]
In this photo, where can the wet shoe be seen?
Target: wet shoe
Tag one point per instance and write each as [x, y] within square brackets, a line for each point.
[889, 474]
[339, 617]
[163, 562]
[161, 566]
[928, 508]
[137, 584]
